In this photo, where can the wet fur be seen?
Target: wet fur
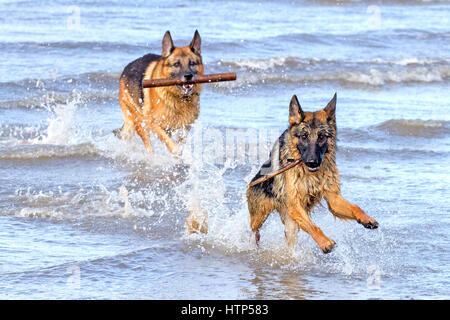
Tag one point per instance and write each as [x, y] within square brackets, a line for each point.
[294, 193]
[161, 110]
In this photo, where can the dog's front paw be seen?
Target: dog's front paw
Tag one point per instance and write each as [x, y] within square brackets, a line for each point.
[173, 147]
[328, 246]
[196, 223]
[369, 224]
[254, 240]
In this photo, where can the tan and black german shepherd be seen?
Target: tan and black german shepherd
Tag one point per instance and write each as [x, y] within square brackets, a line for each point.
[311, 137]
[161, 110]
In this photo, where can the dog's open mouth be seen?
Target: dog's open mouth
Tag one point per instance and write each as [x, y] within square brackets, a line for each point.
[186, 88]
[313, 169]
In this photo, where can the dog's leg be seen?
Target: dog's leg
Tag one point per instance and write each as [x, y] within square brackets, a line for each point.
[290, 230]
[260, 208]
[126, 132]
[144, 132]
[196, 222]
[300, 216]
[164, 137]
[343, 209]
[129, 114]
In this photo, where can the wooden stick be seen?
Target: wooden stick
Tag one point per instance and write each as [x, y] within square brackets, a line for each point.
[273, 174]
[206, 78]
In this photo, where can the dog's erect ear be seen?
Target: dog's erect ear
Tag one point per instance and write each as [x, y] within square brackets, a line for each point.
[196, 43]
[296, 114]
[167, 45]
[330, 109]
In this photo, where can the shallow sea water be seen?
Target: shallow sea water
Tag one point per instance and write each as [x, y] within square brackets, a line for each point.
[86, 216]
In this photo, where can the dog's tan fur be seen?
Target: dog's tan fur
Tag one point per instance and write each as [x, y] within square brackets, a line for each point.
[161, 110]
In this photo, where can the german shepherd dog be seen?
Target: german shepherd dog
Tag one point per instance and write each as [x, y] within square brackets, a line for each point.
[165, 111]
[161, 110]
[311, 137]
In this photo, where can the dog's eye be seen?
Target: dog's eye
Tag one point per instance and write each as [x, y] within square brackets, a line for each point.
[304, 136]
[321, 136]
[177, 64]
[193, 63]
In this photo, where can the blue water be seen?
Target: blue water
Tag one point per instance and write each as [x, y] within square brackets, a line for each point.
[86, 216]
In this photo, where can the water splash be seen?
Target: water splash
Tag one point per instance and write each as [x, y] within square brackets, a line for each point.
[62, 129]
[128, 209]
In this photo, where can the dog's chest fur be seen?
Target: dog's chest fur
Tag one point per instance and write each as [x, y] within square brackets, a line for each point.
[176, 113]
[170, 112]
[308, 188]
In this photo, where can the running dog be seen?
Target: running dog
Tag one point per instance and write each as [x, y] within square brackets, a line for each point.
[311, 137]
[165, 111]
[161, 110]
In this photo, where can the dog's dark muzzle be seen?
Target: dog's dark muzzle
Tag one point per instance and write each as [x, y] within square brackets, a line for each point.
[312, 157]
[313, 165]
[187, 88]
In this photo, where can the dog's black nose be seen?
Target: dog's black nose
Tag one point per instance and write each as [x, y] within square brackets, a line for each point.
[312, 163]
[188, 76]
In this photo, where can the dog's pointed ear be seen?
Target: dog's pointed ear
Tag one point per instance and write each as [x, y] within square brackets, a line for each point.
[330, 109]
[167, 45]
[196, 43]
[296, 114]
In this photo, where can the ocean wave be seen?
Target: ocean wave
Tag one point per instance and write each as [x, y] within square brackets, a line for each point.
[90, 45]
[373, 77]
[413, 61]
[42, 152]
[103, 77]
[405, 153]
[103, 46]
[19, 132]
[399, 129]
[415, 128]
[377, 77]
[295, 63]
[45, 93]
[377, 40]
[267, 63]
[47, 100]
[375, 72]
[67, 81]
[104, 202]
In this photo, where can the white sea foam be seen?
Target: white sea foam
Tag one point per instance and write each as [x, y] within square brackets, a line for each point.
[374, 72]
[378, 77]
[372, 77]
[263, 64]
